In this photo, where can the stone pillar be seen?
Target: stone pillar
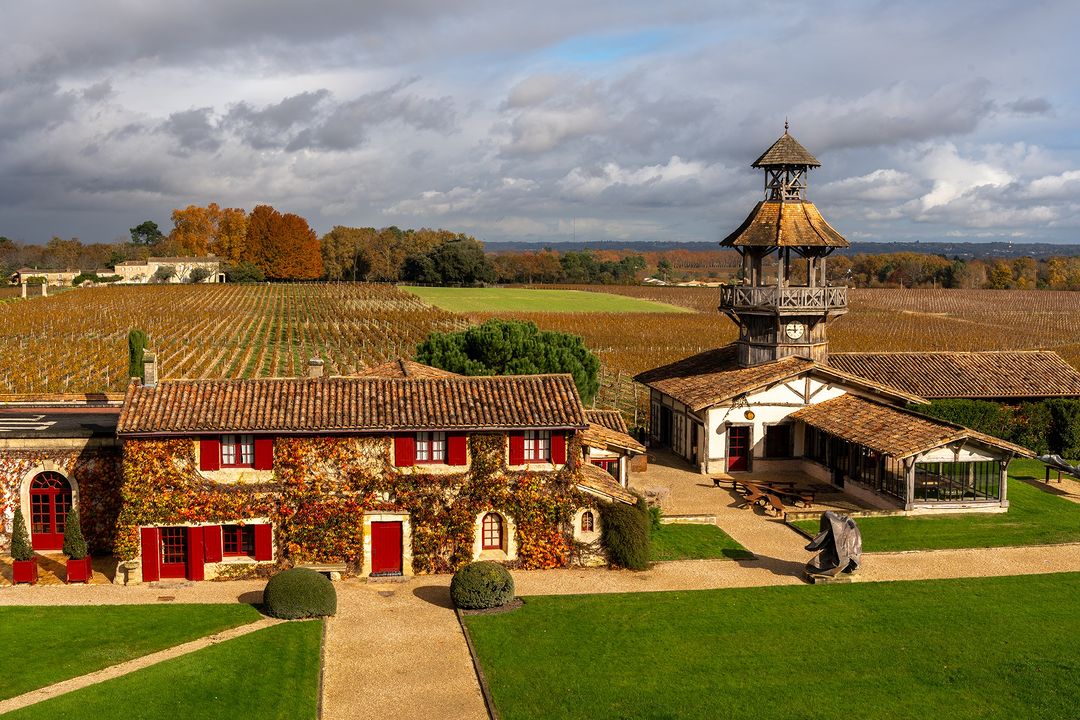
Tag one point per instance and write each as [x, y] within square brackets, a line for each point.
[45, 289]
[909, 501]
[150, 369]
[1004, 483]
[24, 289]
[314, 368]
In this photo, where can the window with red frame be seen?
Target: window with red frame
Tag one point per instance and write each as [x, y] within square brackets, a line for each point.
[431, 447]
[492, 532]
[237, 451]
[238, 540]
[612, 466]
[537, 445]
[588, 522]
[174, 545]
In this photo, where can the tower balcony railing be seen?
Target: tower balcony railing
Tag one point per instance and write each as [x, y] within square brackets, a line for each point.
[783, 298]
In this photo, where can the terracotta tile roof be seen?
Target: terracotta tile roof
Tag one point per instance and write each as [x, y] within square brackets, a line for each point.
[597, 480]
[786, 151]
[352, 404]
[402, 368]
[774, 223]
[714, 377]
[890, 430]
[599, 436]
[1006, 374]
[608, 418]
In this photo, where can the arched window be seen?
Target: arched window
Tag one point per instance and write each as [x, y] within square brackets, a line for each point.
[492, 531]
[588, 523]
[50, 501]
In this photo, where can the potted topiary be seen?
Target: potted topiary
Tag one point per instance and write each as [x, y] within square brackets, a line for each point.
[78, 564]
[25, 569]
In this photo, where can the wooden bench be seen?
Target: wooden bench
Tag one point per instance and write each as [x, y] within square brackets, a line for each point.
[331, 570]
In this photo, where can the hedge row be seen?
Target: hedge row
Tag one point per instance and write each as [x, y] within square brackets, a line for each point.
[1047, 426]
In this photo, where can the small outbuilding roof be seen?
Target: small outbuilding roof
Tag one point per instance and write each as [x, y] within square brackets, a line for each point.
[352, 404]
[403, 368]
[608, 418]
[891, 430]
[596, 480]
[1013, 374]
[786, 151]
[599, 436]
[714, 377]
[777, 223]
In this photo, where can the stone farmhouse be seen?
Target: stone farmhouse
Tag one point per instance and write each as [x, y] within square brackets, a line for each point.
[776, 400]
[402, 469]
[134, 272]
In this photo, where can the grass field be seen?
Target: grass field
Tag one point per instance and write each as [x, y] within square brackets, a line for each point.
[974, 648]
[1035, 517]
[44, 645]
[468, 300]
[271, 673]
[691, 541]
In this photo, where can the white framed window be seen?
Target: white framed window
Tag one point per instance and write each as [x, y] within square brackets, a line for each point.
[537, 445]
[237, 450]
[431, 447]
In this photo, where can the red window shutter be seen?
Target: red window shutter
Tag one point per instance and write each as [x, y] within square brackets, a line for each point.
[264, 546]
[210, 453]
[455, 449]
[517, 448]
[211, 535]
[151, 555]
[195, 554]
[264, 453]
[405, 450]
[558, 448]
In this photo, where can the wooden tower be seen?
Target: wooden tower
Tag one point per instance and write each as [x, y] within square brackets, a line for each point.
[781, 310]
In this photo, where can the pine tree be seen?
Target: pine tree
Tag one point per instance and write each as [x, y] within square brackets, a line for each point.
[137, 341]
[20, 539]
[74, 542]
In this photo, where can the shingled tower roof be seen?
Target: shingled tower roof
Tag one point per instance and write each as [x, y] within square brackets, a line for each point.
[786, 151]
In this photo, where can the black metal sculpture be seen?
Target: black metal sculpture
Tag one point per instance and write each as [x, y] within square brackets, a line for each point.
[840, 543]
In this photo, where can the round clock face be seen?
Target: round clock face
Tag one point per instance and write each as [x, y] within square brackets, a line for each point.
[794, 330]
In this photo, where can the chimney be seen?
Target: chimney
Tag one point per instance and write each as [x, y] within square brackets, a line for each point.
[150, 369]
[314, 368]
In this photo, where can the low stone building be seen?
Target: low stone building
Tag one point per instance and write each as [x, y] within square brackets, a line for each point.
[134, 272]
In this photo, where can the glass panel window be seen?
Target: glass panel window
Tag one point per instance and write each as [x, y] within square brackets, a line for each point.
[491, 532]
[587, 521]
[239, 540]
[537, 445]
[173, 545]
[431, 447]
[237, 450]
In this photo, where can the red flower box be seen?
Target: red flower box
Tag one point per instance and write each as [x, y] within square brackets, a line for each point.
[24, 571]
[79, 570]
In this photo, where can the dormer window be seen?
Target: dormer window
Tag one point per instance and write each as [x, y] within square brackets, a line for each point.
[237, 451]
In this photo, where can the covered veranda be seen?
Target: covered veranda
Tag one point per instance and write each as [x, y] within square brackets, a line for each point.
[921, 462]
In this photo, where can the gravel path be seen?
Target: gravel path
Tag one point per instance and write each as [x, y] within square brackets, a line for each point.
[77, 683]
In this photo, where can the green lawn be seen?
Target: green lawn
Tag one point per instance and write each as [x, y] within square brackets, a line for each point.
[528, 300]
[44, 645]
[271, 673]
[973, 648]
[1035, 517]
[694, 542]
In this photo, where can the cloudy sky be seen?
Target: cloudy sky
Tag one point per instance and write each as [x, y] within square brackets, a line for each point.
[620, 120]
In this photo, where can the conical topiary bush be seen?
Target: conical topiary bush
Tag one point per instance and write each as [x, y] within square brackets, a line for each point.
[20, 539]
[74, 542]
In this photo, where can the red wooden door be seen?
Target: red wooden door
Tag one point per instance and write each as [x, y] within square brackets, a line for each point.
[174, 556]
[738, 455]
[386, 548]
[50, 501]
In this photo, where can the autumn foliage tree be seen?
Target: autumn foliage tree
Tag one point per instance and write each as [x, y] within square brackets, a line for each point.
[283, 246]
[209, 230]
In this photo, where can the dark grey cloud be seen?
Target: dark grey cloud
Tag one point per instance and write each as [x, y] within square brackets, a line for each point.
[272, 126]
[193, 130]
[1030, 106]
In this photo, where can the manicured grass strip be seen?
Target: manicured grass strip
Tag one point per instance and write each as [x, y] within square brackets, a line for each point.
[271, 673]
[974, 648]
[1035, 517]
[44, 645]
[695, 542]
[525, 299]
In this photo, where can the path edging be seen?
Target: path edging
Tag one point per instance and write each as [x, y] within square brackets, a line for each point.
[485, 691]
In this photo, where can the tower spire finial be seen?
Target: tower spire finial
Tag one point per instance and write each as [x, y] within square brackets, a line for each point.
[785, 125]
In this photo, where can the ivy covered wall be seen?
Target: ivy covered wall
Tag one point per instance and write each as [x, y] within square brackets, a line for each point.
[321, 487]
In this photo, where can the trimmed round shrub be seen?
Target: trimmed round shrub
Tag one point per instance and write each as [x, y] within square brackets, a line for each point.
[299, 593]
[482, 585]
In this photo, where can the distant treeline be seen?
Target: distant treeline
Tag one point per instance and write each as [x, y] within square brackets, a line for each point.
[267, 244]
